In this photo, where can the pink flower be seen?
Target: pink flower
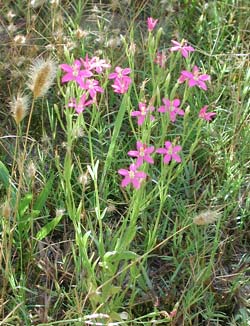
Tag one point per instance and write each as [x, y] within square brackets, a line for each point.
[100, 64]
[160, 59]
[151, 23]
[172, 107]
[95, 63]
[122, 81]
[80, 107]
[170, 152]
[182, 47]
[132, 176]
[143, 154]
[121, 85]
[207, 116]
[92, 86]
[72, 72]
[144, 110]
[120, 73]
[194, 78]
[87, 63]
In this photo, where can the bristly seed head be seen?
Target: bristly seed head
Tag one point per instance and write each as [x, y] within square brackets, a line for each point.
[42, 74]
[31, 170]
[6, 210]
[19, 107]
[206, 217]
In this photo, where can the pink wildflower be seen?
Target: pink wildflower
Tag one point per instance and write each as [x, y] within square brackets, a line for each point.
[80, 107]
[160, 59]
[121, 85]
[122, 81]
[132, 176]
[207, 116]
[151, 23]
[170, 152]
[92, 86]
[100, 64]
[87, 63]
[143, 154]
[182, 47]
[172, 107]
[120, 73]
[72, 72]
[95, 63]
[144, 110]
[194, 78]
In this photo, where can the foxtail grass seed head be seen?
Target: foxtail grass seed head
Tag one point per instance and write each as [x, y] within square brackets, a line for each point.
[80, 34]
[19, 107]
[6, 210]
[111, 208]
[206, 217]
[42, 74]
[31, 170]
[84, 179]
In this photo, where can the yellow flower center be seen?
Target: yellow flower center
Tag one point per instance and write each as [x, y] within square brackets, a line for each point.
[141, 151]
[75, 70]
[131, 174]
[144, 110]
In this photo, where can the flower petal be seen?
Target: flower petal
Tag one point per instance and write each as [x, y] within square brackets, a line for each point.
[136, 183]
[176, 157]
[133, 153]
[125, 181]
[123, 172]
[168, 144]
[167, 158]
[176, 102]
[161, 151]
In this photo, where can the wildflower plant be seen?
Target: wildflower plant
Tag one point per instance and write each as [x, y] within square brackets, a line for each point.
[124, 167]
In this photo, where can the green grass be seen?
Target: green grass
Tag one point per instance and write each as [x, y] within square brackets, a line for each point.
[76, 248]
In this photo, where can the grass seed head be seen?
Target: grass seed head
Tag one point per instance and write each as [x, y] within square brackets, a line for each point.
[19, 107]
[6, 210]
[31, 170]
[84, 179]
[42, 74]
[206, 217]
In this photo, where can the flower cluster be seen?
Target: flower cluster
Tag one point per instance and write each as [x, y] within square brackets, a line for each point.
[171, 106]
[84, 72]
[121, 80]
[143, 154]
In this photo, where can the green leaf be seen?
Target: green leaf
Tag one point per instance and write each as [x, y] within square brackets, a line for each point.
[4, 175]
[46, 229]
[24, 204]
[118, 123]
[42, 197]
[115, 256]
[5, 179]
